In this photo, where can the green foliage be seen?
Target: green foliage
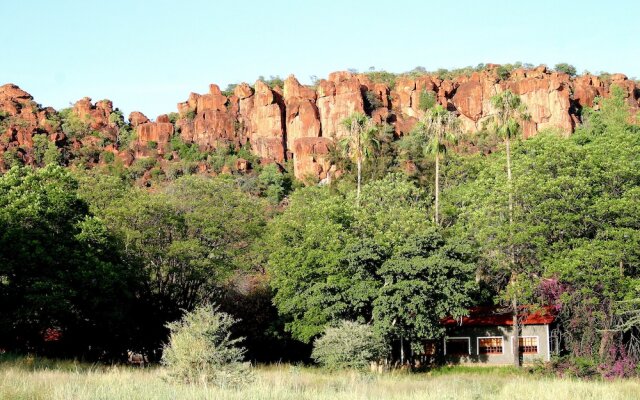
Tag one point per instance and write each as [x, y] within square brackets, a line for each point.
[371, 101]
[173, 117]
[52, 154]
[190, 115]
[427, 100]
[108, 157]
[60, 268]
[11, 158]
[503, 72]
[349, 345]
[187, 237]
[187, 151]
[613, 114]
[117, 118]
[388, 78]
[424, 279]
[201, 350]
[141, 165]
[126, 135]
[72, 125]
[152, 144]
[40, 146]
[229, 89]
[566, 68]
[273, 183]
[328, 257]
[273, 81]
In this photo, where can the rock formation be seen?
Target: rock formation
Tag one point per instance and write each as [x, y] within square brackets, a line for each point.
[301, 123]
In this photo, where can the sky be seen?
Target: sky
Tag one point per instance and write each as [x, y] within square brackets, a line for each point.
[149, 55]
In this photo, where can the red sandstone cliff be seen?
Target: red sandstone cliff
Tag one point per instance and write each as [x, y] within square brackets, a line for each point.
[301, 123]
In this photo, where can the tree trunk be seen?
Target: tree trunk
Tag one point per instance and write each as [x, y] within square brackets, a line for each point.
[359, 162]
[437, 189]
[516, 332]
[401, 351]
[509, 184]
[514, 301]
[359, 180]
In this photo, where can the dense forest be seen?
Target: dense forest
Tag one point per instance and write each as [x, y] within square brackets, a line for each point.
[414, 229]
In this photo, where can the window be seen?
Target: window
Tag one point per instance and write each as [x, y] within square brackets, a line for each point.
[430, 348]
[457, 346]
[528, 344]
[490, 345]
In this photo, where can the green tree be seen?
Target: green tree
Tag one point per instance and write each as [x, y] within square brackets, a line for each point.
[566, 68]
[329, 260]
[509, 110]
[425, 279]
[40, 146]
[52, 154]
[187, 237]
[60, 269]
[360, 143]
[432, 134]
[272, 183]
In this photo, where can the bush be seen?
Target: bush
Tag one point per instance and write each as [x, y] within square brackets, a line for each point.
[427, 100]
[349, 345]
[201, 350]
[566, 68]
[108, 157]
[371, 101]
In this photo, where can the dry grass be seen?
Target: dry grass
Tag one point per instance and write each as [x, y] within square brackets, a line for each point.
[57, 381]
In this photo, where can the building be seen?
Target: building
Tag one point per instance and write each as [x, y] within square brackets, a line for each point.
[486, 336]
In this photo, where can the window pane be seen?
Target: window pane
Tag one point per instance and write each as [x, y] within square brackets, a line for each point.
[490, 346]
[457, 347]
[528, 345]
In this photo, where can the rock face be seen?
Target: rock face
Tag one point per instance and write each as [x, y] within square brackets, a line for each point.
[338, 97]
[302, 123]
[137, 118]
[20, 119]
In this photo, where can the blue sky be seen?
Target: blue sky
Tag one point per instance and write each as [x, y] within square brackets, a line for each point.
[148, 55]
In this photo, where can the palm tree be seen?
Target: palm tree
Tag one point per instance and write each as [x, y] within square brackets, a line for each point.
[361, 143]
[509, 110]
[437, 129]
[443, 128]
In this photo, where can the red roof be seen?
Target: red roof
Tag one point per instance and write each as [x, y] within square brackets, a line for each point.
[493, 316]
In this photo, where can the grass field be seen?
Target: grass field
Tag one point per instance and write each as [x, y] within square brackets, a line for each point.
[43, 379]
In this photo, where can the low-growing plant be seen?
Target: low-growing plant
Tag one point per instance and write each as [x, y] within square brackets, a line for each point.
[427, 100]
[349, 345]
[201, 350]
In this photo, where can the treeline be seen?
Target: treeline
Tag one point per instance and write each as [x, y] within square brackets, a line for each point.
[92, 265]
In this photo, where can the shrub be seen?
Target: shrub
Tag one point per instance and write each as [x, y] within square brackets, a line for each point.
[272, 183]
[349, 345]
[566, 68]
[371, 101]
[108, 157]
[503, 72]
[190, 115]
[427, 100]
[201, 350]
[152, 144]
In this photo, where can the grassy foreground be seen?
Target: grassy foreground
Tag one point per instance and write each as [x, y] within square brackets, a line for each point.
[24, 379]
